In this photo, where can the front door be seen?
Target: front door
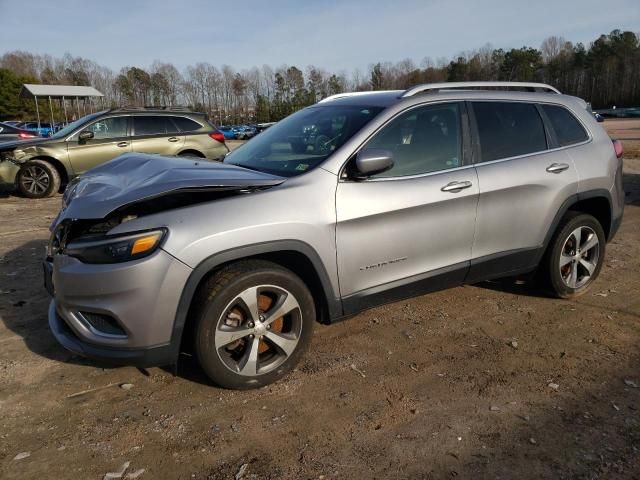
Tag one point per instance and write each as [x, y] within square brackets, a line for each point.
[110, 139]
[410, 229]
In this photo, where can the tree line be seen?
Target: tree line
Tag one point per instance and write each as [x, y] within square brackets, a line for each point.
[605, 73]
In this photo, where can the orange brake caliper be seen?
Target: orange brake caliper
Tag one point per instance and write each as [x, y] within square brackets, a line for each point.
[264, 303]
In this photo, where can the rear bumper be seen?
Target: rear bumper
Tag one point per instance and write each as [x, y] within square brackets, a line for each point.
[137, 357]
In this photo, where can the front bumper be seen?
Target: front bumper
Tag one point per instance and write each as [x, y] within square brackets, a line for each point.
[136, 357]
[140, 298]
[8, 172]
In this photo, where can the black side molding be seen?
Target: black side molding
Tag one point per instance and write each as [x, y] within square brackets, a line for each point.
[414, 286]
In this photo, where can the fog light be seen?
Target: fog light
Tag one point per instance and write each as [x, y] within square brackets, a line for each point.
[103, 324]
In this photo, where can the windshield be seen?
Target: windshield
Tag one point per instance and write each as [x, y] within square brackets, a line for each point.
[66, 131]
[303, 140]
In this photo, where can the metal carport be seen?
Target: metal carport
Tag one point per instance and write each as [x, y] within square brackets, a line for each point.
[62, 93]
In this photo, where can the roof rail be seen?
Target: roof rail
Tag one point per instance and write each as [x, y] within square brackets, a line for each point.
[427, 87]
[353, 94]
[154, 108]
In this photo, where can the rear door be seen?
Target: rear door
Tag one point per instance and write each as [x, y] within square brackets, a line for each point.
[410, 229]
[156, 134]
[110, 139]
[523, 179]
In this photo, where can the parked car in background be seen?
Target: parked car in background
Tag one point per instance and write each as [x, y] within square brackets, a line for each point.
[44, 130]
[9, 133]
[228, 132]
[413, 191]
[244, 132]
[261, 127]
[40, 166]
[13, 123]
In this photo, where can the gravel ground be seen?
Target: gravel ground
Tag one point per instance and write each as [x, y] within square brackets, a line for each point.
[494, 380]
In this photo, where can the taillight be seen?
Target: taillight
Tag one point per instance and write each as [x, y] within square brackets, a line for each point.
[617, 146]
[25, 135]
[217, 136]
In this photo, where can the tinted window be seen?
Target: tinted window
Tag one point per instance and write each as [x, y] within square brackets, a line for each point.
[303, 140]
[508, 129]
[424, 140]
[149, 125]
[568, 129]
[186, 124]
[112, 127]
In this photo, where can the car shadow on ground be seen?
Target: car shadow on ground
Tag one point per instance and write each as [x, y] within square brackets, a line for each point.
[24, 305]
[24, 302]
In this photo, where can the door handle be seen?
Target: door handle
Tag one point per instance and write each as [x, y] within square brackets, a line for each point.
[123, 144]
[455, 187]
[173, 139]
[557, 167]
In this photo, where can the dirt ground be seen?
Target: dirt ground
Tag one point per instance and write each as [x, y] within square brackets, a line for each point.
[494, 380]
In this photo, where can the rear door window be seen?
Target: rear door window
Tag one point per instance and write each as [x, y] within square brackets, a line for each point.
[153, 125]
[567, 128]
[186, 124]
[508, 129]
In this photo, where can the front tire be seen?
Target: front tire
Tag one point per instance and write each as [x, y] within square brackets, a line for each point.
[254, 320]
[575, 255]
[38, 179]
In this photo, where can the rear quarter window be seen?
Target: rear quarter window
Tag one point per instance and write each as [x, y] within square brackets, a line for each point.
[186, 124]
[567, 128]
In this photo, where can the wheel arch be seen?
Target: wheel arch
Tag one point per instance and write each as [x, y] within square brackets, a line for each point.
[191, 151]
[594, 202]
[294, 255]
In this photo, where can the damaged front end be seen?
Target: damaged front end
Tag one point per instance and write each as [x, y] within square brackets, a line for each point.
[136, 185]
[14, 154]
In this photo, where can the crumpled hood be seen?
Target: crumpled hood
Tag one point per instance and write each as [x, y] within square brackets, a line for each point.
[134, 177]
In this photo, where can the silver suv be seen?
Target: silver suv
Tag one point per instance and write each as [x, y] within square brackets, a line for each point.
[357, 201]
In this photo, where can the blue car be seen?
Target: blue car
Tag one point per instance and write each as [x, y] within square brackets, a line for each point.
[228, 132]
[44, 130]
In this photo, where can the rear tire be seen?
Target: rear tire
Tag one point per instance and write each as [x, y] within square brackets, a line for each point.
[254, 321]
[38, 179]
[575, 255]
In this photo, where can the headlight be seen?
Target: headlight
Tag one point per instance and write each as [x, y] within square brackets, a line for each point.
[116, 249]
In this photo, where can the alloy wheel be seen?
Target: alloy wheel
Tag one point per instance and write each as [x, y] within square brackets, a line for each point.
[258, 330]
[35, 180]
[579, 257]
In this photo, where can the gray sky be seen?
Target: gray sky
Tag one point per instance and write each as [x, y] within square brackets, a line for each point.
[334, 34]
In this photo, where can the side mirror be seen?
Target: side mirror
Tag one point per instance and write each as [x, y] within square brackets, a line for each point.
[372, 161]
[84, 136]
[599, 118]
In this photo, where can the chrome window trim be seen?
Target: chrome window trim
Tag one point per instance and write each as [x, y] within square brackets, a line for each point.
[579, 120]
[548, 150]
[413, 177]
[541, 152]
[341, 174]
[68, 139]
